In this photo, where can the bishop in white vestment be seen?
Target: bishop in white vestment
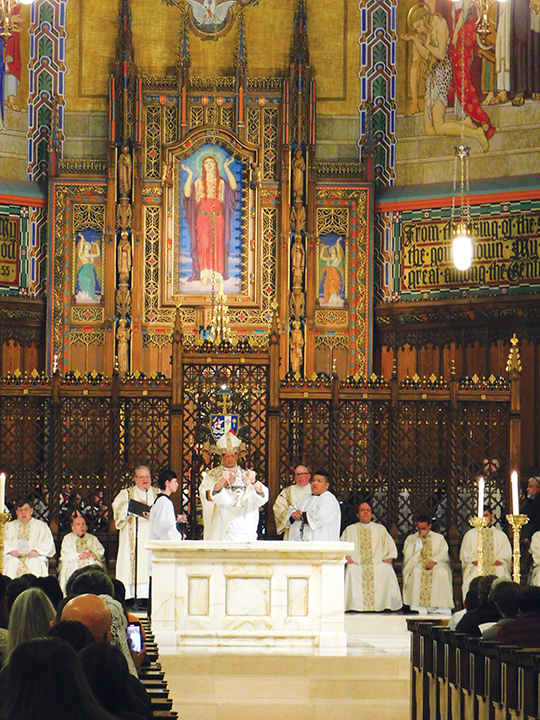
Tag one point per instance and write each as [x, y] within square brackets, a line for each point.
[289, 499]
[28, 544]
[318, 517]
[370, 581]
[131, 529]
[497, 553]
[79, 549]
[427, 574]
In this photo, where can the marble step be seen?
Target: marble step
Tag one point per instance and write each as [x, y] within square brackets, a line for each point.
[223, 687]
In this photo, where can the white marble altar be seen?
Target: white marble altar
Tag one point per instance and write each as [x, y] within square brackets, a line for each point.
[258, 594]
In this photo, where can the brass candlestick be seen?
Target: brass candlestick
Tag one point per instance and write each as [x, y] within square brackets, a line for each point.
[480, 523]
[517, 522]
[4, 518]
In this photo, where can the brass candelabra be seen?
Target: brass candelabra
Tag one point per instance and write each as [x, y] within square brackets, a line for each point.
[517, 522]
[480, 523]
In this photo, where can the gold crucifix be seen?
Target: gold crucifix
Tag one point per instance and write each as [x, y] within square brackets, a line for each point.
[224, 404]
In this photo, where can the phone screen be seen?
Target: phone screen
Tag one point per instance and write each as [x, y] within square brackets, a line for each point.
[135, 636]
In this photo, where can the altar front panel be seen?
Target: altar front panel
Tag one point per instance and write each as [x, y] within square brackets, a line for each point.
[260, 594]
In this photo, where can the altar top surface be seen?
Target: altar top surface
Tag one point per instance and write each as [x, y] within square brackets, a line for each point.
[261, 549]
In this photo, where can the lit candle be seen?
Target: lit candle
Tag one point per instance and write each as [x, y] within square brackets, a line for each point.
[2, 491]
[481, 486]
[515, 493]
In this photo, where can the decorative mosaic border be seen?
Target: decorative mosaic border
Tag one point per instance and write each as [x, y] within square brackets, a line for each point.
[47, 82]
[378, 75]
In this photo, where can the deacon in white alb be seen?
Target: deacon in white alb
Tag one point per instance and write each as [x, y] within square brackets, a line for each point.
[162, 515]
[427, 575]
[497, 553]
[238, 495]
[370, 581]
[79, 549]
[318, 517]
[133, 534]
[289, 499]
[28, 544]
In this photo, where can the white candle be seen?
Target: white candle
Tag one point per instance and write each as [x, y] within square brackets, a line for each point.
[515, 493]
[2, 491]
[481, 486]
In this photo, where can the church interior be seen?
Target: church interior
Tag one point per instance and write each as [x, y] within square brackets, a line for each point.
[255, 209]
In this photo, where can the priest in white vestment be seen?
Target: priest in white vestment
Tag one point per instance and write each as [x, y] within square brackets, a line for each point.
[239, 496]
[28, 544]
[318, 518]
[370, 581]
[427, 573]
[534, 549]
[79, 549]
[497, 553]
[162, 515]
[289, 499]
[133, 534]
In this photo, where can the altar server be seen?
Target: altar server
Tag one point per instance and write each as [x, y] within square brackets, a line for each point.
[162, 516]
[318, 517]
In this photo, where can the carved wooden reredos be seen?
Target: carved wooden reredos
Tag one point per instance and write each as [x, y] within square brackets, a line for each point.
[129, 235]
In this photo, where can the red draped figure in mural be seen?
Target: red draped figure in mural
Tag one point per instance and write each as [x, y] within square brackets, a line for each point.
[209, 203]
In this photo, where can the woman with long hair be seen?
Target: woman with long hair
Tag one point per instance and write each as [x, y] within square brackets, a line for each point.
[30, 617]
[44, 680]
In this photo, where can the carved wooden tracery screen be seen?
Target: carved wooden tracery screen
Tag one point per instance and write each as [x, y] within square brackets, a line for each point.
[248, 386]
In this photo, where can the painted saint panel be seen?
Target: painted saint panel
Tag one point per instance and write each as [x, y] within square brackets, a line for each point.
[88, 276]
[332, 280]
[210, 238]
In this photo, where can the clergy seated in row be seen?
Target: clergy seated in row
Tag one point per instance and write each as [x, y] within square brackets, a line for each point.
[497, 552]
[427, 573]
[534, 549]
[28, 544]
[370, 581]
[78, 550]
[317, 518]
[291, 497]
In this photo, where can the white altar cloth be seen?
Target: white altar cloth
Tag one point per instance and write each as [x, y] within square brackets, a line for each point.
[257, 594]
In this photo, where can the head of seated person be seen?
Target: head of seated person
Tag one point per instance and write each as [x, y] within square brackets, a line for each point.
[472, 601]
[91, 611]
[15, 587]
[91, 579]
[484, 587]
[107, 673]
[505, 596]
[44, 680]
[51, 588]
[31, 616]
[73, 632]
[528, 600]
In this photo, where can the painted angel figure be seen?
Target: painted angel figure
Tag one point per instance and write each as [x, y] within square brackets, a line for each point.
[332, 259]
